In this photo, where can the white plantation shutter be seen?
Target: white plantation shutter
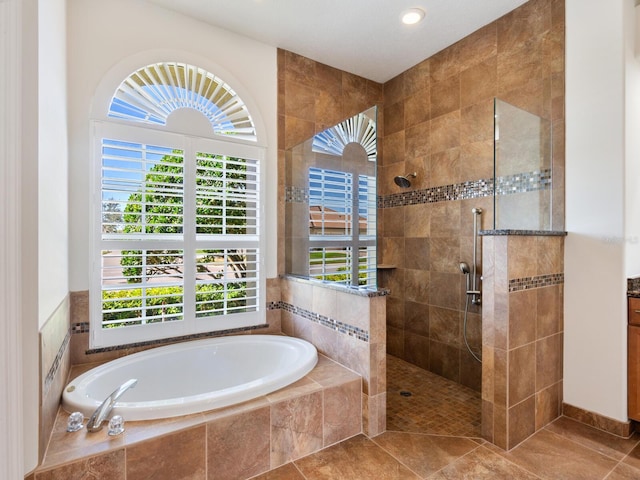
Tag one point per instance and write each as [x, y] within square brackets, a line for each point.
[342, 228]
[150, 94]
[178, 241]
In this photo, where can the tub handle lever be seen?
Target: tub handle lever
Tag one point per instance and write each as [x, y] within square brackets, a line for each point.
[102, 412]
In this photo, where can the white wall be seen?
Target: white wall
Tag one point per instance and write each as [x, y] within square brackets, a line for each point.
[632, 139]
[104, 35]
[52, 196]
[595, 286]
[13, 463]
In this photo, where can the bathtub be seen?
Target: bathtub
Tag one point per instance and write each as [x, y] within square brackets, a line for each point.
[194, 376]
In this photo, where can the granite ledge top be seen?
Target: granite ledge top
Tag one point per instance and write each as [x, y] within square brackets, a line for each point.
[541, 233]
[633, 287]
[362, 292]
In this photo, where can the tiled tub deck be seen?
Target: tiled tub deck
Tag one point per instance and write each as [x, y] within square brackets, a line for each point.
[240, 441]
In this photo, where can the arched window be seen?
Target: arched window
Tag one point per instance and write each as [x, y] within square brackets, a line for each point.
[178, 243]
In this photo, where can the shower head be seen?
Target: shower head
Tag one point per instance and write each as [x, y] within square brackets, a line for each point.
[403, 181]
[464, 268]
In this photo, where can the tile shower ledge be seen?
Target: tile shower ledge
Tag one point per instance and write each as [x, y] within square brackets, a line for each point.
[362, 292]
[65, 448]
[538, 233]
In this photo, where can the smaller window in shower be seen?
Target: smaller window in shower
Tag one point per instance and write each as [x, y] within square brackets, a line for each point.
[340, 247]
[330, 204]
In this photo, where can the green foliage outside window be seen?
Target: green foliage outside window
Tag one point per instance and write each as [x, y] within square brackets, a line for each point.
[216, 214]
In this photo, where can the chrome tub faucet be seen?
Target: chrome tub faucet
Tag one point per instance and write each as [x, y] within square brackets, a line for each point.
[102, 412]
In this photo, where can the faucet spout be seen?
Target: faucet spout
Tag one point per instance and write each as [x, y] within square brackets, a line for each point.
[102, 412]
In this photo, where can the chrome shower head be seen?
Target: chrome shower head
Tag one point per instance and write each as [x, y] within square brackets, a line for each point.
[464, 268]
[403, 181]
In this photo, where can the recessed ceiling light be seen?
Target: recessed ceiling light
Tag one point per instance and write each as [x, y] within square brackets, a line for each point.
[412, 16]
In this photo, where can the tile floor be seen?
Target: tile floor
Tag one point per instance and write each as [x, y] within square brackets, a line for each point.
[420, 449]
[435, 405]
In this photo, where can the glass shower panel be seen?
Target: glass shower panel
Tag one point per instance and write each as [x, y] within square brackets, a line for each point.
[330, 204]
[522, 164]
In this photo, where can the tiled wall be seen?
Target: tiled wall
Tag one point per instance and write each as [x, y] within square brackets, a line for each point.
[348, 328]
[522, 336]
[311, 98]
[54, 368]
[438, 122]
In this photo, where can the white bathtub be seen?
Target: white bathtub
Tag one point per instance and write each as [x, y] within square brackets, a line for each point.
[194, 376]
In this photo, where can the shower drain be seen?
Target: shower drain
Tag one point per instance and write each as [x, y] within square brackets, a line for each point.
[405, 393]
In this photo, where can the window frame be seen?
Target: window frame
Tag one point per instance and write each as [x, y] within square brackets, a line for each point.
[190, 145]
[352, 240]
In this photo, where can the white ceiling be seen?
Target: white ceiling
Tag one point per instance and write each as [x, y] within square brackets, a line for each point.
[364, 37]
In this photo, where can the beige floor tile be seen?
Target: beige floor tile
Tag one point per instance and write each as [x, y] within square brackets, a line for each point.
[424, 454]
[355, 459]
[483, 464]
[624, 472]
[436, 405]
[554, 457]
[603, 442]
[285, 472]
[633, 458]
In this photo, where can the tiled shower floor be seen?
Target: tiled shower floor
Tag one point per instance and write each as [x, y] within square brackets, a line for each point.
[435, 405]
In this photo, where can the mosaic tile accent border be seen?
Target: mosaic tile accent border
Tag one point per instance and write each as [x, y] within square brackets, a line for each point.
[459, 191]
[57, 362]
[336, 325]
[524, 182]
[505, 185]
[527, 283]
[293, 194]
[80, 327]
[165, 341]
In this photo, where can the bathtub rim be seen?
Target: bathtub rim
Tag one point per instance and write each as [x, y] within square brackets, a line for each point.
[177, 406]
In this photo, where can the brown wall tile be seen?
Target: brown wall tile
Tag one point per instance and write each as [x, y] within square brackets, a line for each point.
[549, 310]
[342, 412]
[416, 318]
[548, 405]
[522, 373]
[478, 82]
[296, 428]
[522, 317]
[548, 361]
[176, 456]
[521, 421]
[108, 466]
[238, 446]
[416, 349]
[445, 96]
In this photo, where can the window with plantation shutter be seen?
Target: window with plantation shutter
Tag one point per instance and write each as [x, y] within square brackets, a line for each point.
[342, 231]
[178, 247]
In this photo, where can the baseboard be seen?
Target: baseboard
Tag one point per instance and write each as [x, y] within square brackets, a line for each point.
[615, 427]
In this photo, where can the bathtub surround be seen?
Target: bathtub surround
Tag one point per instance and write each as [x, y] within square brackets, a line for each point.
[522, 335]
[235, 442]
